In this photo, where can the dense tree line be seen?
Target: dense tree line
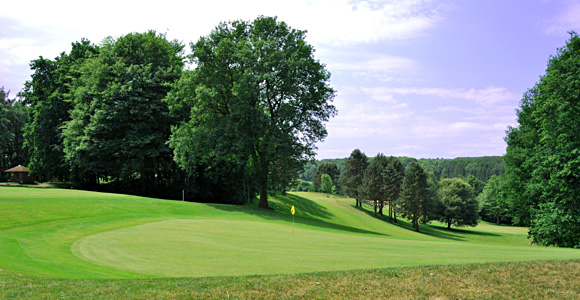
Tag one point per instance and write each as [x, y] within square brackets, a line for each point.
[408, 190]
[541, 186]
[12, 120]
[125, 116]
[481, 168]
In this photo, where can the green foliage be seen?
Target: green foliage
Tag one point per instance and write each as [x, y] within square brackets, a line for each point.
[119, 125]
[543, 156]
[351, 178]
[47, 96]
[12, 121]
[481, 168]
[458, 205]
[414, 199]
[393, 176]
[302, 186]
[326, 183]
[492, 206]
[325, 168]
[373, 185]
[476, 184]
[258, 100]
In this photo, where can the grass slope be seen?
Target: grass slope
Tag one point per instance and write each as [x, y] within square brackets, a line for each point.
[79, 234]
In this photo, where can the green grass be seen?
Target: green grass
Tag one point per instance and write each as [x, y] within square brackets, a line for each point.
[80, 234]
[520, 280]
[97, 239]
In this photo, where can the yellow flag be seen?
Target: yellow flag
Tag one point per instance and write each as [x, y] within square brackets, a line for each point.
[292, 210]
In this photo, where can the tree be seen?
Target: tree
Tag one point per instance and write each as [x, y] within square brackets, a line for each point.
[326, 183]
[459, 206]
[393, 176]
[432, 206]
[373, 185]
[12, 121]
[119, 125]
[476, 184]
[414, 196]
[256, 94]
[543, 153]
[492, 208]
[352, 177]
[325, 168]
[46, 96]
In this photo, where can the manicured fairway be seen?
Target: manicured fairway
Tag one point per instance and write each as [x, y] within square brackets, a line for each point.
[79, 234]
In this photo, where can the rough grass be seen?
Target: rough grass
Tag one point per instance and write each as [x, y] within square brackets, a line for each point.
[520, 280]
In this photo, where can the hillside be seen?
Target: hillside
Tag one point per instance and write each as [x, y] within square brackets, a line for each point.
[480, 167]
[80, 234]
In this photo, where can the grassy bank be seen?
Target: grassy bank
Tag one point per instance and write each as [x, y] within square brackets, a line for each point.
[520, 280]
[77, 244]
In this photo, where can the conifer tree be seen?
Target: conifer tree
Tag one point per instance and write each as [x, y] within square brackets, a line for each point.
[414, 194]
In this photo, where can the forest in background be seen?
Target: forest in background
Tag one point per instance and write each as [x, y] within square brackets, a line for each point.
[481, 168]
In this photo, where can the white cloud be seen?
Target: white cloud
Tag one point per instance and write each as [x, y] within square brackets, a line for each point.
[328, 22]
[567, 19]
[486, 97]
[377, 64]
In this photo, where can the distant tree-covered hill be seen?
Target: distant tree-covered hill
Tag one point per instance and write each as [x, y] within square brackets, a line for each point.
[480, 167]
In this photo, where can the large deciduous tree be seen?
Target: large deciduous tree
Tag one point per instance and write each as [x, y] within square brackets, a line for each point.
[119, 124]
[352, 177]
[458, 204]
[256, 94]
[543, 154]
[46, 96]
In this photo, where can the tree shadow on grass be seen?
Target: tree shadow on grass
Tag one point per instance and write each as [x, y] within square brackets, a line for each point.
[454, 234]
[310, 213]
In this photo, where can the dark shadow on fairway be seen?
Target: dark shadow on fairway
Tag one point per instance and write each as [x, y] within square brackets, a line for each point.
[429, 229]
[307, 207]
[402, 223]
[308, 214]
[462, 231]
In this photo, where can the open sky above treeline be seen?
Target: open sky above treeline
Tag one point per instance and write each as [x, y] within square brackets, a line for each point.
[424, 79]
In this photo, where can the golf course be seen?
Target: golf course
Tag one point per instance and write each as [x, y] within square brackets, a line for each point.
[74, 235]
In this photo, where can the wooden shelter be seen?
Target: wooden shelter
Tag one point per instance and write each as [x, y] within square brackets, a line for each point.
[20, 174]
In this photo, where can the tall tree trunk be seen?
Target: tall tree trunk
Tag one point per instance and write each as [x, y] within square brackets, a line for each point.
[263, 181]
[497, 218]
[263, 195]
[375, 206]
[381, 205]
[449, 225]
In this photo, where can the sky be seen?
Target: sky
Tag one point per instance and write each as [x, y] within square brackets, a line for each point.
[416, 78]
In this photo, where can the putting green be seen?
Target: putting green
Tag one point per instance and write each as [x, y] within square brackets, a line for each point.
[214, 247]
[80, 234]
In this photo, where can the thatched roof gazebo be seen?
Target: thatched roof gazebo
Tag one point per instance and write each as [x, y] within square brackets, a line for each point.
[20, 174]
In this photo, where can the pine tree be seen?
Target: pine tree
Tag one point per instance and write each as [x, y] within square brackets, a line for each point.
[393, 176]
[373, 187]
[352, 177]
[414, 194]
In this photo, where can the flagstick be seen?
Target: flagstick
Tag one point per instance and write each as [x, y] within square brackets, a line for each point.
[292, 225]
